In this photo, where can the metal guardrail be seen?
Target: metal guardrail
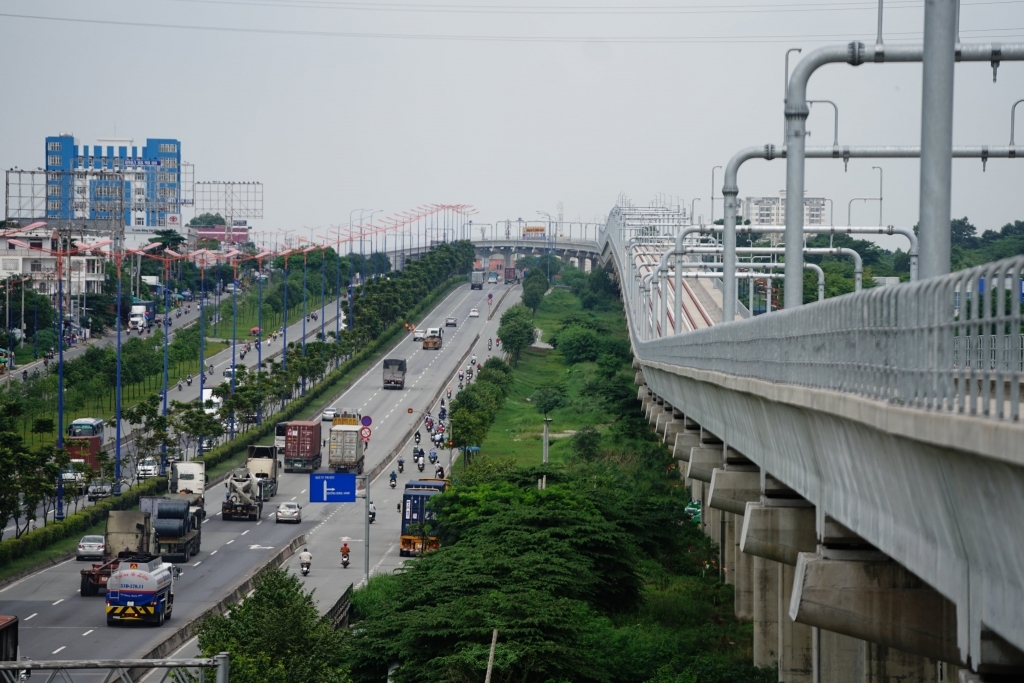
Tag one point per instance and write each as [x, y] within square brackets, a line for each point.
[118, 669]
[339, 612]
[953, 343]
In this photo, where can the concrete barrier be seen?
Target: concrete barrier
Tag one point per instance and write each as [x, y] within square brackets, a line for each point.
[165, 648]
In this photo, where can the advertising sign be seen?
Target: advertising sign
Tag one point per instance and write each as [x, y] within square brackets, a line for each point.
[332, 488]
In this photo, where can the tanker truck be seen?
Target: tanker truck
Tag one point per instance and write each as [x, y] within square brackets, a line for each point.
[141, 589]
[244, 495]
[177, 525]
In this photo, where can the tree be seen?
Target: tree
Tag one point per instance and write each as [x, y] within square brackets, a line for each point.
[168, 239]
[190, 422]
[963, 233]
[586, 443]
[516, 330]
[578, 344]
[548, 397]
[208, 219]
[276, 635]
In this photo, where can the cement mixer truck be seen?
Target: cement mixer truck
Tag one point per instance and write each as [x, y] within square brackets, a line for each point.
[244, 498]
[141, 589]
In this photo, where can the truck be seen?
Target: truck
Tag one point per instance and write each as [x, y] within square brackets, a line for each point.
[244, 495]
[141, 315]
[394, 373]
[433, 338]
[86, 449]
[261, 461]
[346, 446]
[492, 277]
[302, 446]
[141, 589]
[476, 280]
[510, 276]
[177, 525]
[127, 532]
[416, 538]
[215, 402]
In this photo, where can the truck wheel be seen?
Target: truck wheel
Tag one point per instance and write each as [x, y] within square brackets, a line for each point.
[160, 619]
[87, 587]
[111, 621]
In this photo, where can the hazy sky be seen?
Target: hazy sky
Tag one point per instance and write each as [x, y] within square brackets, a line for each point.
[338, 105]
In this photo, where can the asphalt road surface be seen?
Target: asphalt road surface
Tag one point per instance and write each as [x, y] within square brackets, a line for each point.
[57, 623]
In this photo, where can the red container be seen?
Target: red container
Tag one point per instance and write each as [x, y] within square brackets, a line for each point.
[85, 448]
[303, 439]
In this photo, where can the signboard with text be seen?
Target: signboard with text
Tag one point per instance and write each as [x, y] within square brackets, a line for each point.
[332, 487]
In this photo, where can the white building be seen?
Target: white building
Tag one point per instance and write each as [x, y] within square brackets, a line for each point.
[82, 274]
[772, 210]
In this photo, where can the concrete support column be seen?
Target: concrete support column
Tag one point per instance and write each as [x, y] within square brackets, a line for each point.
[713, 526]
[796, 646]
[729, 547]
[743, 603]
[765, 608]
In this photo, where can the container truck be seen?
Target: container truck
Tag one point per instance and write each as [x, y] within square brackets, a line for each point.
[302, 446]
[141, 589]
[85, 448]
[346, 446]
[476, 280]
[394, 373]
[141, 315]
[415, 538]
[510, 275]
[244, 496]
[128, 532]
[433, 338]
[261, 461]
[177, 525]
[9, 651]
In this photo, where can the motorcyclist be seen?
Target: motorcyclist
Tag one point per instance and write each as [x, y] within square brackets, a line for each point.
[442, 406]
[344, 550]
[189, 379]
[305, 557]
[179, 385]
[394, 476]
[488, 344]
[461, 375]
[401, 463]
[449, 391]
[473, 360]
[373, 509]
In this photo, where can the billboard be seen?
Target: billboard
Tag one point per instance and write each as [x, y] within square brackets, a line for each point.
[534, 232]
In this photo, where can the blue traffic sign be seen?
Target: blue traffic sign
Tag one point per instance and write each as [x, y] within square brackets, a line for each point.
[366, 421]
[332, 488]
[490, 296]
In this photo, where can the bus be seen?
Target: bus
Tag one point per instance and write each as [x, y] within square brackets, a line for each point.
[280, 432]
[86, 426]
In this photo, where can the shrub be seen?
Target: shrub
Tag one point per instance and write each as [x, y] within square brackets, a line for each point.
[578, 344]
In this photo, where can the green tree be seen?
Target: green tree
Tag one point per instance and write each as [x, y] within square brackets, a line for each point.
[276, 635]
[548, 397]
[586, 443]
[578, 344]
[515, 330]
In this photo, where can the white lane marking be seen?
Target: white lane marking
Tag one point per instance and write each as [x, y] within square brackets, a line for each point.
[294, 497]
[216, 513]
[230, 542]
[58, 649]
[197, 563]
[246, 531]
[31, 615]
[88, 632]
[302, 491]
[213, 553]
[259, 522]
[59, 601]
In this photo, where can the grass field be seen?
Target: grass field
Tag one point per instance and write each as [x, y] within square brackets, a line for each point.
[517, 432]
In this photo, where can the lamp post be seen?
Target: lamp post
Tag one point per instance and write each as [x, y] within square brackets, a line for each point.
[118, 257]
[201, 256]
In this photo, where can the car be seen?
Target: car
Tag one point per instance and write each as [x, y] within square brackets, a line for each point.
[329, 414]
[418, 334]
[451, 322]
[474, 313]
[148, 468]
[288, 512]
[229, 371]
[90, 548]
[99, 490]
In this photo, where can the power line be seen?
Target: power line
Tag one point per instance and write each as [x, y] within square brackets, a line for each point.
[637, 40]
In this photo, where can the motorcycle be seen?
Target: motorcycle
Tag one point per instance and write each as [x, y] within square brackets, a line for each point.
[189, 380]
[419, 464]
[488, 344]
[449, 394]
[433, 458]
[373, 517]
[417, 437]
[305, 568]
[393, 483]
[401, 466]
[344, 560]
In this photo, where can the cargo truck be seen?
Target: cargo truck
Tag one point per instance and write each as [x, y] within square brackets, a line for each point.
[476, 280]
[141, 589]
[128, 532]
[492, 277]
[346, 446]
[302, 446]
[141, 315]
[177, 525]
[261, 461]
[510, 275]
[416, 538]
[433, 339]
[244, 496]
[394, 373]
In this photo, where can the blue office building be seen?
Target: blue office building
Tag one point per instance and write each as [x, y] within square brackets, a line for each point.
[99, 182]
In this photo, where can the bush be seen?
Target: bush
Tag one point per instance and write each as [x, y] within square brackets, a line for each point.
[579, 344]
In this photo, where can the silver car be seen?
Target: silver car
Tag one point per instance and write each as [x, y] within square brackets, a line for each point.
[289, 512]
[90, 548]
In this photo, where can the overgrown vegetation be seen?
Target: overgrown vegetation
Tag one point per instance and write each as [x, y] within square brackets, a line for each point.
[600, 576]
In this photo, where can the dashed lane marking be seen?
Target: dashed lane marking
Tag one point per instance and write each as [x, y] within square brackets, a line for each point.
[230, 542]
[88, 632]
[197, 563]
[58, 649]
[59, 601]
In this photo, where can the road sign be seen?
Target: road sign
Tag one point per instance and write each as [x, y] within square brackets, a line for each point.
[367, 421]
[490, 296]
[332, 488]
[365, 432]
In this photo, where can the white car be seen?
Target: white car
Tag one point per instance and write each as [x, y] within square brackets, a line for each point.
[418, 334]
[329, 414]
[473, 313]
[288, 512]
[148, 468]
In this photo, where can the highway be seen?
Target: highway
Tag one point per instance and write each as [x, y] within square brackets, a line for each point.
[220, 361]
[59, 624]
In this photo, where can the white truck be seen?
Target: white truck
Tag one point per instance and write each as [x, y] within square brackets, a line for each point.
[217, 402]
[137, 319]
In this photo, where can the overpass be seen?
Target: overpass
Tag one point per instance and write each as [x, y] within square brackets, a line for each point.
[859, 461]
[567, 247]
